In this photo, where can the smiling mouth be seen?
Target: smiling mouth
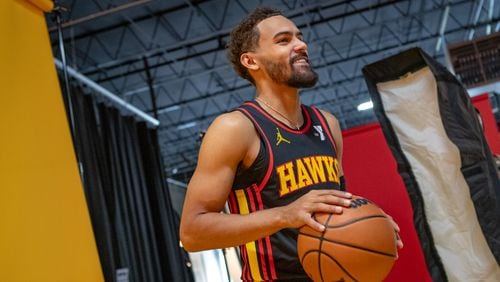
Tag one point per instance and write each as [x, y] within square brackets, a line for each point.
[300, 60]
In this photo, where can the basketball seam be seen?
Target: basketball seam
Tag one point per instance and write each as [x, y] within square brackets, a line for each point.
[322, 240]
[355, 220]
[349, 245]
[320, 246]
[338, 264]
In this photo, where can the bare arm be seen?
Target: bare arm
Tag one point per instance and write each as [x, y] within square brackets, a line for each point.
[229, 142]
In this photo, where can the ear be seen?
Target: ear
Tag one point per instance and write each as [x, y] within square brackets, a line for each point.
[248, 61]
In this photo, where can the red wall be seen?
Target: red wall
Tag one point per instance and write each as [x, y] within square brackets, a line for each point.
[482, 103]
[371, 171]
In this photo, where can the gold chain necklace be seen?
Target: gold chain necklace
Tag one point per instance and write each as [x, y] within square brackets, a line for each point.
[292, 124]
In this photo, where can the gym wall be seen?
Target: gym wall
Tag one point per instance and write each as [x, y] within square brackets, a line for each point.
[371, 172]
[483, 105]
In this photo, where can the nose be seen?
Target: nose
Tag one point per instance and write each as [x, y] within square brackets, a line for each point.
[300, 45]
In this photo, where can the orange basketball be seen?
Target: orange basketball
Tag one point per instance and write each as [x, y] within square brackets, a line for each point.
[357, 245]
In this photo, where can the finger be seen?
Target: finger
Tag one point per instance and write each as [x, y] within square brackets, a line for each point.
[399, 242]
[327, 208]
[337, 193]
[395, 225]
[334, 200]
[315, 225]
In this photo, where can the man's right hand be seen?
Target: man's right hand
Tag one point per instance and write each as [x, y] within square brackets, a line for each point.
[301, 211]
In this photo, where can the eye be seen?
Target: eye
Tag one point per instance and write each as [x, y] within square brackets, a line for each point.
[283, 40]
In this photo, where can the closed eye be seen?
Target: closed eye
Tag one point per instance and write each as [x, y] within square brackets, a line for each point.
[283, 40]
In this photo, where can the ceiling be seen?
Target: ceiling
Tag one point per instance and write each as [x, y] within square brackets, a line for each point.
[169, 55]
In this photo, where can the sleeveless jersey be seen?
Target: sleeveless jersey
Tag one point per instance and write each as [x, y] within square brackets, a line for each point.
[289, 164]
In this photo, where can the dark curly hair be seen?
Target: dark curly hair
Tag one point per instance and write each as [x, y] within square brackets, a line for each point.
[245, 37]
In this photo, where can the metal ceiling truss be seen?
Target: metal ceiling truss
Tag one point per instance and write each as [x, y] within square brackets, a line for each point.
[172, 57]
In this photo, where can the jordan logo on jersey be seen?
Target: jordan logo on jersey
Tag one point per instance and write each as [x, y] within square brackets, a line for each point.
[280, 138]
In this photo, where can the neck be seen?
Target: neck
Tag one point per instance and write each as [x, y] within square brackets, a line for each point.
[283, 103]
[284, 98]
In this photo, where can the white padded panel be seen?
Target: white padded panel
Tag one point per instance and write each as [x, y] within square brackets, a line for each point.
[412, 107]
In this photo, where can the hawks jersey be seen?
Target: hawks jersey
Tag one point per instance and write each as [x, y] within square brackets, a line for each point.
[289, 164]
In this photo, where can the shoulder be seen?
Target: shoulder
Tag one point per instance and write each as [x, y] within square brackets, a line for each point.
[230, 135]
[231, 123]
[332, 121]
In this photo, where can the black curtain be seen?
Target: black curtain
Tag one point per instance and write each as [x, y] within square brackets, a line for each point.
[130, 208]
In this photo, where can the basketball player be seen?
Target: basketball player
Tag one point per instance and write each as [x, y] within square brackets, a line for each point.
[273, 160]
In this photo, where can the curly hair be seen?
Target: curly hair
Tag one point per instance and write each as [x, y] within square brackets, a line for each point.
[245, 37]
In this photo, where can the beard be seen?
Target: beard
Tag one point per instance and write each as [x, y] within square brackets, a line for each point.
[302, 76]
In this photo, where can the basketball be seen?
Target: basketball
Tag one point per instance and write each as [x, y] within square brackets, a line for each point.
[357, 245]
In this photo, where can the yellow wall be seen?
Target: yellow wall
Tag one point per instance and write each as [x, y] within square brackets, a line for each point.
[45, 231]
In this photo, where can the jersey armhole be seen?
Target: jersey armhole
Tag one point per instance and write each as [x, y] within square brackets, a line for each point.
[266, 142]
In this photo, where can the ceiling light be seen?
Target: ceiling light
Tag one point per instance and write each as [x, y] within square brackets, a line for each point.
[136, 91]
[186, 125]
[169, 109]
[365, 106]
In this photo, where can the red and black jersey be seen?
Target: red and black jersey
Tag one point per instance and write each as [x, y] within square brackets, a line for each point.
[290, 163]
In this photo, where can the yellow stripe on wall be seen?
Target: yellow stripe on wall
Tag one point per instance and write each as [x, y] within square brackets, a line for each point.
[45, 230]
[250, 246]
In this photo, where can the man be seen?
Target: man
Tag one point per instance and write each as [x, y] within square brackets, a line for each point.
[275, 161]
